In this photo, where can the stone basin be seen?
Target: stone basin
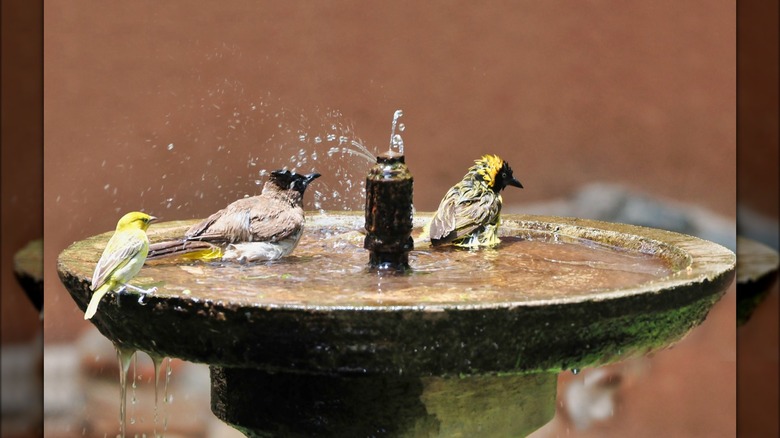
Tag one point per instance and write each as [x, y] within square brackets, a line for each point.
[757, 266]
[28, 270]
[355, 353]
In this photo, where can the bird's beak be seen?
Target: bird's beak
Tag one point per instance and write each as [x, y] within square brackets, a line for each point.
[515, 182]
[152, 219]
[311, 177]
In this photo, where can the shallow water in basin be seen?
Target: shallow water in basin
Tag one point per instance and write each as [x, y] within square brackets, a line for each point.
[329, 269]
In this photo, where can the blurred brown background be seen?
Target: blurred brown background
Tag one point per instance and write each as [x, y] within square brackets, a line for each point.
[758, 353]
[175, 108]
[21, 202]
[22, 159]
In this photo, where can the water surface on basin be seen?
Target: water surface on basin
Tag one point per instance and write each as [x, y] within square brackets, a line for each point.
[329, 269]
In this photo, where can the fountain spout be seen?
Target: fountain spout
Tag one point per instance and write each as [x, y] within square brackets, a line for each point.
[389, 214]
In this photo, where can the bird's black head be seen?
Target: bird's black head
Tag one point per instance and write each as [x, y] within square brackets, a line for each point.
[494, 172]
[286, 180]
[504, 177]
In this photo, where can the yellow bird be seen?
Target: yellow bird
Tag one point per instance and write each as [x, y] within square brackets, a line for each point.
[470, 212]
[122, 258]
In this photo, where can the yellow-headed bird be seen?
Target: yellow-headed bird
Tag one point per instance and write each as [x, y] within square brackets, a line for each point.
[470, 212]
[258, 228]
[122, 258]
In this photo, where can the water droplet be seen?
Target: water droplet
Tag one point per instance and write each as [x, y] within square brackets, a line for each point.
[396, 142]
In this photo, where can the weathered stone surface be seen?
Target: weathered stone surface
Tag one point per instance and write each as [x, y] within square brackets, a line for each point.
[382, 405]
[409, 369]
[757, 266]
[423, 340]
[28, 269]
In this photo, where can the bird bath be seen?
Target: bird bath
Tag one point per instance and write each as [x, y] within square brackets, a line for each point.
[756, 272]
[28, 269]
[467, 344]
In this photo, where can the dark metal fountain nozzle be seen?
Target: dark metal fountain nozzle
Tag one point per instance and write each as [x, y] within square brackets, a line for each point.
[389, 214]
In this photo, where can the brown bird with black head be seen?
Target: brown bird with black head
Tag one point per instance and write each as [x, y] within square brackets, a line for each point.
[264, 227]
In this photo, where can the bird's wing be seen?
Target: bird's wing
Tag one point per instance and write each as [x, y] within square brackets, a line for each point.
[461, 211]
[249, 219]
[276, 222]
[231, 224]
[443, 221]
[474, 213]
[122, 247]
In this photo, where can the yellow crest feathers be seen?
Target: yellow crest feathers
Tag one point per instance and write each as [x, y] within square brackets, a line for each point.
[487, 167]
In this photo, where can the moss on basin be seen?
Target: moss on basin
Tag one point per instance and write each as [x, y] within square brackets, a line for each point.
[382, 405]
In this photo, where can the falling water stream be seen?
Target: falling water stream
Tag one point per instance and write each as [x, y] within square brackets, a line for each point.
[157, 360]
[124, 355]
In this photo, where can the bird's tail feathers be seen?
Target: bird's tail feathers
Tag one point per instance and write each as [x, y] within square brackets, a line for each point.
[186, 249]
[95, 300]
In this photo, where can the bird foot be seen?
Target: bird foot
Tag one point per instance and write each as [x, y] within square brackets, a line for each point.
[143, 293]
